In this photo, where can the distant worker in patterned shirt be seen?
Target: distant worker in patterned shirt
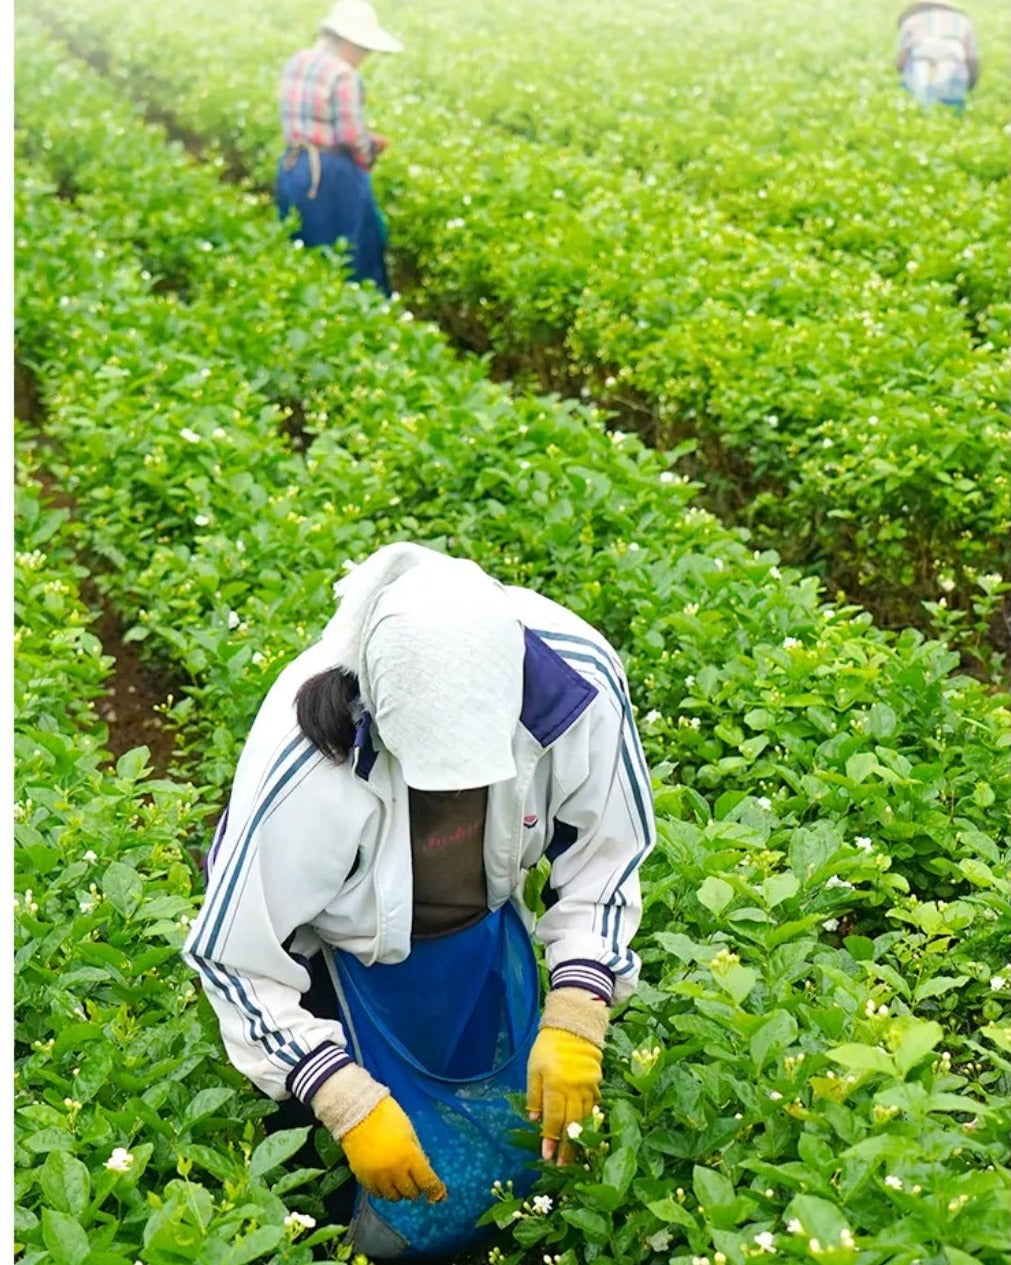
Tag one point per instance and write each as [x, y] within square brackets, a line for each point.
[324, 172]
[938, 59]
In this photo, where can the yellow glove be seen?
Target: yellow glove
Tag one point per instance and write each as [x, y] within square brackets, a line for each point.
[386, 1156]
[564, 1069]
[379, 1141]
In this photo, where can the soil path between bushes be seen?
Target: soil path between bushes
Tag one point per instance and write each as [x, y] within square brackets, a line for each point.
[134, 690]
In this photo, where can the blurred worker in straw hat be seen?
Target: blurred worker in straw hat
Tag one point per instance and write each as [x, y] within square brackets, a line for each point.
[329, 150]
[937, 59]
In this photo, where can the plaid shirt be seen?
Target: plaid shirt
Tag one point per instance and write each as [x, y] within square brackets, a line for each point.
[941, 35]
[323, 103]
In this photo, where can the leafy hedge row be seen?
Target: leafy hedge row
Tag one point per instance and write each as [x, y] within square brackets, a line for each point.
[841, 374]
[120, 1085]
[811, 768]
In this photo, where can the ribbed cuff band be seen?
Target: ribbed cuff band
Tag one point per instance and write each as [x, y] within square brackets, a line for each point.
[316, 1068]
[581, 973]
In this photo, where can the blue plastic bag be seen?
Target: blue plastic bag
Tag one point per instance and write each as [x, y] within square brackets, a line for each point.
[449, 1030]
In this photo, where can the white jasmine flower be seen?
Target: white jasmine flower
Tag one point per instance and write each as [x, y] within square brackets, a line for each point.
[256, 657]
[299, 1220]
[835, 881]
[893, 1182]
[997, 982]
[791, 643]
[543, 1204]
[846, 1238]
[233, 619]
[666, 477]
[831, 924]
[775, 1095]
[660, 1241]
[794, 1227]
[652, 717]
[863, 843]
[764, 801]
[574, 1129]
[120, 1161]
[90, 856]
[201, 520]
[190, 436]
[766, 1241]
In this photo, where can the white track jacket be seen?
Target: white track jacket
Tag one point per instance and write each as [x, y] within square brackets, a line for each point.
[311, 853]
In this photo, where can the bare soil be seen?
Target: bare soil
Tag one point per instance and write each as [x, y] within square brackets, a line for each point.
[134, 693]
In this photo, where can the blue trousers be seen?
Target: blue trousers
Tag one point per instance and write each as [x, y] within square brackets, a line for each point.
[343, 207]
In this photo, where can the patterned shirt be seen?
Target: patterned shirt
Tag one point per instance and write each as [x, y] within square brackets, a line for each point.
[323, 103]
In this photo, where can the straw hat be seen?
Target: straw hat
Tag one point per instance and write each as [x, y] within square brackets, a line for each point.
[356, 22]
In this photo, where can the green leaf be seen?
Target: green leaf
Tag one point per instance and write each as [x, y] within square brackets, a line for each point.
[715, 894]
[256, 1243]
[670, 1211]
[123, 888]
[780, 887]
[712, 1189]
[918, 1038]
[860, 948]
[863, 1058]
[206, 1103]
[773, 1038]
[601, 1198]
[821, 1220]
[881, 721]
[861, 766]
[132, 765]
[64, 1237]
[619, 1169]
[592, 1224]
[275, 1149]
[738, 981]
[938, 985]
[65, 1182]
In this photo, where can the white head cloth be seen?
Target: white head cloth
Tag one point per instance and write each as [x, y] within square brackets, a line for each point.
[439, 658]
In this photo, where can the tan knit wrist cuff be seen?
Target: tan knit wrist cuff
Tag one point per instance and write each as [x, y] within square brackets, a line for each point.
[346, 1099]
[578, 1011]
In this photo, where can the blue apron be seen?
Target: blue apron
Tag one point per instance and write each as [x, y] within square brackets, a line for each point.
[449, 1030]
[342, 207]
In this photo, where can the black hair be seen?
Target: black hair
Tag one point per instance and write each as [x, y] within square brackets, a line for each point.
[324, 708]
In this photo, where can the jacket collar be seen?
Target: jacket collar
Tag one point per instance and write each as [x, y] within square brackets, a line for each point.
[554, 697]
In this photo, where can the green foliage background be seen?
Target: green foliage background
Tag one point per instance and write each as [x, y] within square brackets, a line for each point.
[816, 1065]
